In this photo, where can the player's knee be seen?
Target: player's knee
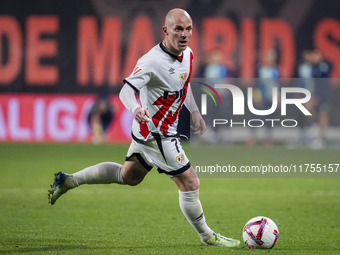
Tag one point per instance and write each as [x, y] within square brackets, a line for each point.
[133, 177]
[195, 184]
[191, 184]
[187, 181]
[132, 182]
[128, 180]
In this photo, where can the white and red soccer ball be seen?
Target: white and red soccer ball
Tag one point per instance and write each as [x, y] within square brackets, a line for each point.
[260, 233]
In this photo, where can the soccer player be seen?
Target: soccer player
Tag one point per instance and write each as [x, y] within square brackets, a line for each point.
[162, 78]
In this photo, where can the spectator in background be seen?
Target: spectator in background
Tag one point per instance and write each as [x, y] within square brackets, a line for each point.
[99, 119]
[312, 71]
[305, 70]
[215, 71]
[214, 68]
[322, 94]
[305, 73]
[268, 74]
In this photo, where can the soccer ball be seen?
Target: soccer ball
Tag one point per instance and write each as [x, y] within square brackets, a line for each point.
[260, 233]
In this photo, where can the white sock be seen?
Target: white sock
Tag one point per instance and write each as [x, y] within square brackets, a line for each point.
[192, 210]
[103, 173]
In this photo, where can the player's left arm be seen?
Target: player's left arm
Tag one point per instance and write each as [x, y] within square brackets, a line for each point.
[198, 122]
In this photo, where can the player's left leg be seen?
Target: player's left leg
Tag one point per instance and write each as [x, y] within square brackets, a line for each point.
[188, 184]
[131, 173]
[102, 173]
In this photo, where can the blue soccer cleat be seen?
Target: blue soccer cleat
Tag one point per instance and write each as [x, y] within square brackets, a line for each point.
[62, 183]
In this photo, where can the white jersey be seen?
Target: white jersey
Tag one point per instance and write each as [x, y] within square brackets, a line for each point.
[162, 80]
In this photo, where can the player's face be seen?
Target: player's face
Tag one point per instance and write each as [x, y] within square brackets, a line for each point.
[178, 34]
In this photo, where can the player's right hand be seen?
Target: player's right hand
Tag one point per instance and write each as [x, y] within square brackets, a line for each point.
[141, 115]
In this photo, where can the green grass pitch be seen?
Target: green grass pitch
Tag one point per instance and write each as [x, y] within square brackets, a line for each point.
[113, 219]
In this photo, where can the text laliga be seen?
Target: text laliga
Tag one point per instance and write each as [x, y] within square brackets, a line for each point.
[59, 119]
[238, 100]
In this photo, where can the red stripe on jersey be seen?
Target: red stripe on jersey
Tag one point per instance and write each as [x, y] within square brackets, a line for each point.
[162, 111]
[171, 118]
[137, 70]
[144, 130]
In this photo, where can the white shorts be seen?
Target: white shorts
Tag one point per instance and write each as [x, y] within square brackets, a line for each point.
[166, 154]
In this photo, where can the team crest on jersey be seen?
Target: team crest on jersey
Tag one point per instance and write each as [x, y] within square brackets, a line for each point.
[184, 77]
[180, 158]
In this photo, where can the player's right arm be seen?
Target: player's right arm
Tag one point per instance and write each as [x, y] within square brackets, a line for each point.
[139, 78]
[128, 98]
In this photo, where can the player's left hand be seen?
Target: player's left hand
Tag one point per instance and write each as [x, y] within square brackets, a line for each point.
[199, 123]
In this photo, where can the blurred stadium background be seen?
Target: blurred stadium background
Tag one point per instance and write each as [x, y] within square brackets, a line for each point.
[57, 57]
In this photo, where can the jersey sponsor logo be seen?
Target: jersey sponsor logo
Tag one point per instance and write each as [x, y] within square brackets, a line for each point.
[183, 77]
[180, 159]
[173, 95]
[137, 70]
